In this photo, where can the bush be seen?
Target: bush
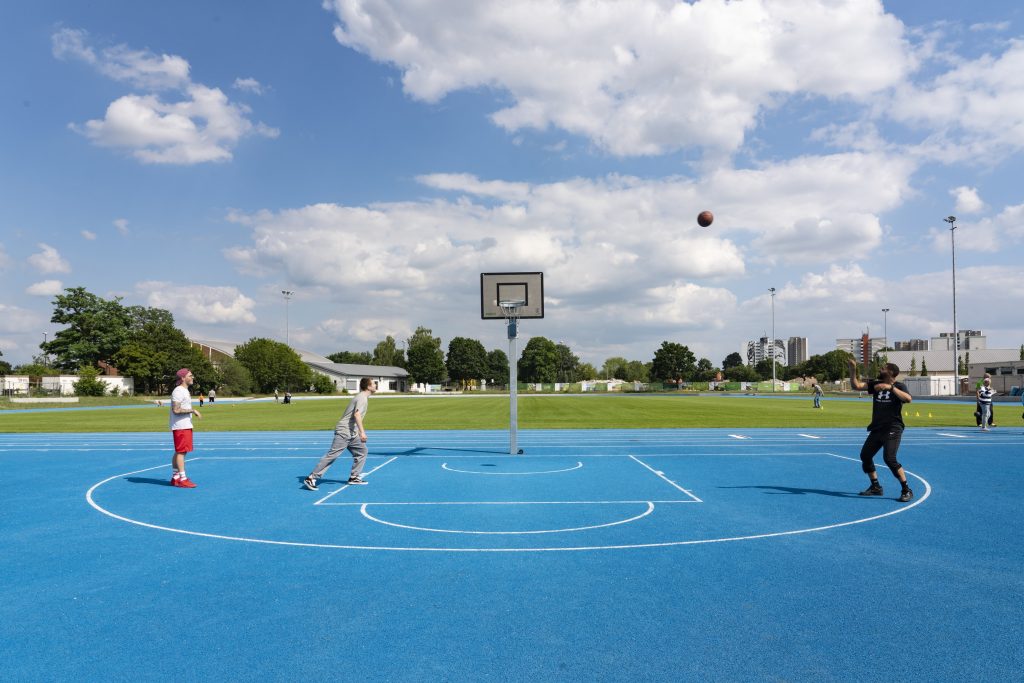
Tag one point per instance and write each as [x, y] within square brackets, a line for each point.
[88, 384]
[322, 384]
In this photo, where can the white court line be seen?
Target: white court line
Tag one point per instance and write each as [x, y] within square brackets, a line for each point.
[444, 466]
[955, 436]
[334, 493]
[520, 502]
[739, 436]
[809, 436]
[662, 475]
[367, 515]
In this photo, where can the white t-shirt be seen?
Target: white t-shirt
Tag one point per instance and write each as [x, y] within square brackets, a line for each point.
[181, 397]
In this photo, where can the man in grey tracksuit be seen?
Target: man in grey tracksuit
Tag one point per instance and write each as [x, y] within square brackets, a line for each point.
[348, 433]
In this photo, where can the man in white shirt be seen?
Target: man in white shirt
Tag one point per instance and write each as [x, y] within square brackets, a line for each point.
[985, 394]
[181, 427]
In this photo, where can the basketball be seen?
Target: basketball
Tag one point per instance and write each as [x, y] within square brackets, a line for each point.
[705, 218]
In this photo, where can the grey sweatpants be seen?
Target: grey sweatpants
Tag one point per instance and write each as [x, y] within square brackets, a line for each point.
[343, 440]
[986, 412]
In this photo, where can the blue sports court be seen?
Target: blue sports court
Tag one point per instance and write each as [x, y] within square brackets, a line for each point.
[596, 555]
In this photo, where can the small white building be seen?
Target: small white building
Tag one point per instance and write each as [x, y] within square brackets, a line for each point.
[64, 385]
[14, 385]
[930, 385]
[347, 375]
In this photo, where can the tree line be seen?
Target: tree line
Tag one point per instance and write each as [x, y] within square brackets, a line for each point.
[144, 343]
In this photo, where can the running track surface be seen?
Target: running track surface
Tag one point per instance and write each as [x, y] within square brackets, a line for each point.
[626, 555]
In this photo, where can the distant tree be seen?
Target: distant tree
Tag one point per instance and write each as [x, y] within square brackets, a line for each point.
[234, 378]
[741, 373]
[5, 367]
[924, 367]
[673, 362]
[828, 367]
[322, 384]
[387, 353]
[96, 329]
[1021, 352]
[913, 366]
[35, 370]
[636, 371]
[705, 371]
[355, 357]
[732, 360]
[425, 359]
[539, 361]
[764, 369]
[155, 349]
[273, 365]
[467, 360]
[497, 367]
[612, 367]
[585, 371]
[568, 364]
[964, 363]
[88, 384]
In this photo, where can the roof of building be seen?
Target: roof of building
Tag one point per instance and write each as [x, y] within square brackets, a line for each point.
[359, 370]
[228, 348]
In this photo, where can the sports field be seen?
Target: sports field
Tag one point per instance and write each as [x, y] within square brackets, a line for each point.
[726, 554]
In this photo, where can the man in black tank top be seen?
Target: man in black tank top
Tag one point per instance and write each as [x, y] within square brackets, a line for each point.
[886, 428]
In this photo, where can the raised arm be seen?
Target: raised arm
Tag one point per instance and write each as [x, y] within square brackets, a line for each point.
[854, 380]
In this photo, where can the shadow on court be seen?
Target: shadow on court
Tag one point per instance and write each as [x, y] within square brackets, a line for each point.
[794, 491]
[148, 480]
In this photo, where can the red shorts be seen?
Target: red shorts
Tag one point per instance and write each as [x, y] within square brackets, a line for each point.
[182, 440]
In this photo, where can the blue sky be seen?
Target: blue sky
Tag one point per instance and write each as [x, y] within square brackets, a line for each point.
[375, 157]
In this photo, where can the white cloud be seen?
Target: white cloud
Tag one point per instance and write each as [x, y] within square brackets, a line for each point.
[49, 260]
[15, 320]
[642, 77]
[199, 303]
[249, 85]
[122, 226]
[89, 235]
[967, 199]
[45, 288]
[203, 127]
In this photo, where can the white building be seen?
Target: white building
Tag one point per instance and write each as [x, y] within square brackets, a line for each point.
[347, 375]
[762, 348]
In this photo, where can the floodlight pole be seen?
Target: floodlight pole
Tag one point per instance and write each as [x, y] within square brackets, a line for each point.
[513, 385]
[885, 329]
[287, 298]
[956, 335]
[772, 344]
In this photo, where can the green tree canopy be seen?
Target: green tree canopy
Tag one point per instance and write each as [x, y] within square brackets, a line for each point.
[636, 371]
[355, 357]
[5, 367]
[741, 373]
[497, 367]
[828, 367]
[539, 361]
[924, 368]
[88, 383]
[612, 367]
[585, 371]
[235, 379]
[467, 360]
[387, 353]
[425, 359]
[732, 360]
[273, 365]
[706, 372]
[672, 362]
[96, 329]
[155, 349]
[568, 364]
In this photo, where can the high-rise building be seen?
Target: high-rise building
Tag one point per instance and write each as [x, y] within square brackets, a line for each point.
[761, 349]
[969, 339]
[796, 350]
[863, 348]
[911, 345]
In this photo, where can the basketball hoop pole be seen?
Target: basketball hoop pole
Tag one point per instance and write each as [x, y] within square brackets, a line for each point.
[513, 385]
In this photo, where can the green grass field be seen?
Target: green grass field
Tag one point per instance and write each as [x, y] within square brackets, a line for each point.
[491, 412]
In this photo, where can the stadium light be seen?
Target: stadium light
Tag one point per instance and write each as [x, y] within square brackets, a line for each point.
[956, 335]
[287, 298]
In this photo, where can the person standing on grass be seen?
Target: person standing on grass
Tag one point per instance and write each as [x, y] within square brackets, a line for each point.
[348, 433]
[886, 428]
[817, 395]
[985, 394]
[181, 428]
[991, 408]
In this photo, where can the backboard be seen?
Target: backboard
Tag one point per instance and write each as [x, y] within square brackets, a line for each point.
[525, 287]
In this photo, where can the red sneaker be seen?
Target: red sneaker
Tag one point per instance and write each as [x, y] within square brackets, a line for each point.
[183, 483]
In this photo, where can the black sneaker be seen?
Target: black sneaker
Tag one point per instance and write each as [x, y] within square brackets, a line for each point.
[906, 496]
[357, 481]
[873, 490]
[309, 483]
